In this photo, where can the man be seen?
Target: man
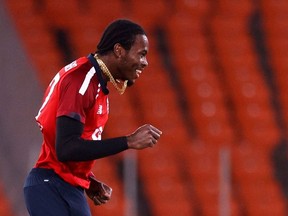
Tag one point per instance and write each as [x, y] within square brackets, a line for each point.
[72, 118]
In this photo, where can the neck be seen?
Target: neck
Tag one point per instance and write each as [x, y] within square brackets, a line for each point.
[108, 76]
[105, 61]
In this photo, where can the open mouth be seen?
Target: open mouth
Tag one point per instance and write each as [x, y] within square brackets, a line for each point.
[138, 72]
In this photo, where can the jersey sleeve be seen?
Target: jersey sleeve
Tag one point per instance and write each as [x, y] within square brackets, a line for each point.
[71, 102]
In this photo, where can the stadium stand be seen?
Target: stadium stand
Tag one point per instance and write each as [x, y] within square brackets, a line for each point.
[275, 27]
[254, 112]
[214, 58]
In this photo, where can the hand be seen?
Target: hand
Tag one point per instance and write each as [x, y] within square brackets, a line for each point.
[145, 136]
[99, 192]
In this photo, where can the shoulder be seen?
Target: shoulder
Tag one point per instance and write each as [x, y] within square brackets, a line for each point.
[76, 72]
[81, 66]
[80, 80]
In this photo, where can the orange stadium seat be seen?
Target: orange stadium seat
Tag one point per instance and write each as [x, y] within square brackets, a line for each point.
[204, 161]
[253, 108]
[162, 177]
[278, 45]
[250, 162]
[263, 198]
[275, 26]
[274, 23]
[248, 89]
[183, 24]
[85, 39]
[59, 13]
[239, 47]
[209, 199]
[105, 12]
[274, 8]
[149, 13]
[204, 167]
[224, 28]
[195, 8]
[253, 174]
[236, 8]
[202, 88]
[262, 130]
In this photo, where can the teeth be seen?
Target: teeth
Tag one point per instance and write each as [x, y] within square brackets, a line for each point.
[139, 71]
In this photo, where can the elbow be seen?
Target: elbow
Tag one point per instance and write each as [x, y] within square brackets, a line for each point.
[61, 155]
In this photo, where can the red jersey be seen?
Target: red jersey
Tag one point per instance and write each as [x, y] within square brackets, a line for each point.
[75, 92]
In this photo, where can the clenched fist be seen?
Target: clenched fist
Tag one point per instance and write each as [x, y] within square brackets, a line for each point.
[99, 192]
[145, 136]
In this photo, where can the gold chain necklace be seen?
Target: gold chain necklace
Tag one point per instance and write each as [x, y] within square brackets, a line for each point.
[106, 71]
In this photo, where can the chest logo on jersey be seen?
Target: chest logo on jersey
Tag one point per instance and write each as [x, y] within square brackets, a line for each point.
[100, 110]
[97, 133]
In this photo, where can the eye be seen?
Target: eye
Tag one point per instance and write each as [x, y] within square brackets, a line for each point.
[143, 53]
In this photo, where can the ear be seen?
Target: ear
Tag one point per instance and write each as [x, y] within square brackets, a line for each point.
[118, 50]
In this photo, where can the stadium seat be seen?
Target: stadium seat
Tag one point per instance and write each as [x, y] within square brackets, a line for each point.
[274, 8]
[195, 8]
[263, 198]
[235, 8]
[149, 13]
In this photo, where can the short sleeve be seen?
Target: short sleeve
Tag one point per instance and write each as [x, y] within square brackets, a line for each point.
[71, 102]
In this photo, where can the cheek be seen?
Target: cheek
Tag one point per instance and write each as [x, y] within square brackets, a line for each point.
[128, 71]
[129, 67]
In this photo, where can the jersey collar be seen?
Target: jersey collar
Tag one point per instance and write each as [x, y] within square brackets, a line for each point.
[99, 74]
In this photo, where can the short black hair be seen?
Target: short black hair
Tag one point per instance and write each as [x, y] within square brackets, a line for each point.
[120, 31]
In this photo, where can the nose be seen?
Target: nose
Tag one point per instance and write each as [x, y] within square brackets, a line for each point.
[144, 62]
